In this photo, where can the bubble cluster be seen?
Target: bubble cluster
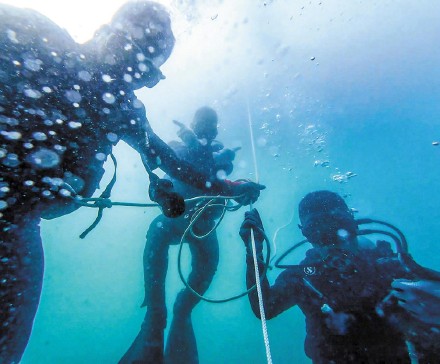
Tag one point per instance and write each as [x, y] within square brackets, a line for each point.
[343, 177]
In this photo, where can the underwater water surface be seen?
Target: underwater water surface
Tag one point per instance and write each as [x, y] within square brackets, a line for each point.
[341, 95]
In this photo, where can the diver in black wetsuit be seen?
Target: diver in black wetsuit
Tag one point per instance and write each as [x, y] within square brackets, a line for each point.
[63, 106]
[338, 286]
[199, 148]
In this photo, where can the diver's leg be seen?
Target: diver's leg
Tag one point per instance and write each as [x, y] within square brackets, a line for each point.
[21, 277]
[148, 345]
[181, 344]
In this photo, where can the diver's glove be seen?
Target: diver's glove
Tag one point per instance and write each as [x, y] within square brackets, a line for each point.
[170, 202]
[248, 192]
[185, 133]
[252, 221]
[421, 299]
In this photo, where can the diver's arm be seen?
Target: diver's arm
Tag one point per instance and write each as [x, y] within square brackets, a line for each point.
[167, 160]
[277, 298]
[187, 136]
[157, 154]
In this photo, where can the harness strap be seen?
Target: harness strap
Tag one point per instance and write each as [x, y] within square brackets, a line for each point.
[104, 195]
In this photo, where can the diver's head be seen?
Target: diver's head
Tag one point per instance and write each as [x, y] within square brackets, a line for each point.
[326, 219]
[205, 123]
[136, 42]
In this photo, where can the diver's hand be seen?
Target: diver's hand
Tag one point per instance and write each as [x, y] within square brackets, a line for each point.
[252, 221]
[179, 124]
[421, 299]
[170, 202]
[248, 192]
[183, 129]
[185, 133]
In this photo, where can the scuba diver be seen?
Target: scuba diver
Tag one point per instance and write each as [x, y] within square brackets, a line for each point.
[63, 106]
[339, 286]
[199, 148]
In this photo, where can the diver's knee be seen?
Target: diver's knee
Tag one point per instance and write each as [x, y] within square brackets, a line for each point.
[185, 302]
[155, 318]
[157, 228]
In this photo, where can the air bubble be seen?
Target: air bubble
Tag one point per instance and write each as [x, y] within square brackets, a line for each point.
[343, 234]
[32, 64]
[106, 78]
[11, 135]
[84, 76]
[108, 98]
[39, 136]
[143, 67]
[137, 104]
[221, 174]
[11, 160]
[34, 94]
[65, 193]
[74, 124]
[43, 158]
[46, 193]
[73, 96]
[100, 156]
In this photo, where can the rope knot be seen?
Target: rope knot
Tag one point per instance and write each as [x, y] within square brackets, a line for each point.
[104, 203]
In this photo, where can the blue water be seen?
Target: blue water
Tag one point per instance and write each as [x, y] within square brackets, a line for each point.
[335, 89]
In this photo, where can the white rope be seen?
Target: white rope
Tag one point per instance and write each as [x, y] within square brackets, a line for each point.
[251, 132]
[260, 301]
[254, 254]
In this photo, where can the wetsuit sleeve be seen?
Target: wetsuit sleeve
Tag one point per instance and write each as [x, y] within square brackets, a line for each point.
[159, 154]
[278, 298]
